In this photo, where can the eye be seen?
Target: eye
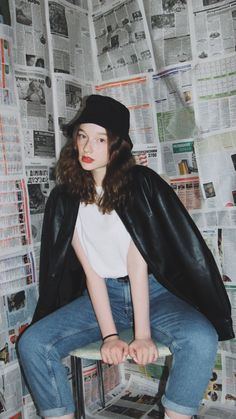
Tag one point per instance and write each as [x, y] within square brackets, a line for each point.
[81, 136]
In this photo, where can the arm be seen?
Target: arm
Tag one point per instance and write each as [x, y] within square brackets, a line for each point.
[142, 349]
[113, 350]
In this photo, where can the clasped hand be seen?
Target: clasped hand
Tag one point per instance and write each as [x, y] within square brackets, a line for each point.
[142, 351]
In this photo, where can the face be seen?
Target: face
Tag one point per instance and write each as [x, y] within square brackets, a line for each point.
[92, 146]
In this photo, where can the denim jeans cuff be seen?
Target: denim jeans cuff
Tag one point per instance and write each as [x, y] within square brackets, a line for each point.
[178, 408]
[57, 411]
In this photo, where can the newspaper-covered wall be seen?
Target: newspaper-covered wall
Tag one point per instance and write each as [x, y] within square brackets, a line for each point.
[173, 64]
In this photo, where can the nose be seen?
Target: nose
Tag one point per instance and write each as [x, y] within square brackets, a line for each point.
[88, 146]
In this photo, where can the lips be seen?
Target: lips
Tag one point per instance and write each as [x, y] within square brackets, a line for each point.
[86, 159]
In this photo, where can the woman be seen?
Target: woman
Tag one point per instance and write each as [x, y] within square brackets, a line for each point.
[140, 261]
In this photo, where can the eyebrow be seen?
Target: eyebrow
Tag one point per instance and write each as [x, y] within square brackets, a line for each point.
[97, 133]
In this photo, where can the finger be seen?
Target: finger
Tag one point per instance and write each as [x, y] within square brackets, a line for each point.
[125, 354]
[133, 355]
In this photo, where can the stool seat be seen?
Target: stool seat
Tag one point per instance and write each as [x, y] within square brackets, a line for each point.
[92, 351]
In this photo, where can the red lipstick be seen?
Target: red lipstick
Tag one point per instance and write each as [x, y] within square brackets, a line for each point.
[87, 159]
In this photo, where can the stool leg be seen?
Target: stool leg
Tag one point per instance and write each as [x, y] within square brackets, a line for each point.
[101, 383]
[78, 390]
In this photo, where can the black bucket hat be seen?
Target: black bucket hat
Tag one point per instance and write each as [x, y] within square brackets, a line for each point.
[106, 112]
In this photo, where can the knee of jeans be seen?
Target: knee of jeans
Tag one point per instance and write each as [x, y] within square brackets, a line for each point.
[27, 343]
[204, 340]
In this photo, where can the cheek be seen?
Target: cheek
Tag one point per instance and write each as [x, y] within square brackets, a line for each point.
[78, 148]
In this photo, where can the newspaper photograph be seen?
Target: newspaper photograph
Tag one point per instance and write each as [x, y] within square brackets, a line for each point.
[71, 39]
[168, 23]
[214, 23]
[29, 29]
[14, 220]
[135, 93]
[172, 90]
[11, 150]
[5, 16]
[122, 40]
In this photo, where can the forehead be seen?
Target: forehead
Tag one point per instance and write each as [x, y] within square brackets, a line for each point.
[94, 129]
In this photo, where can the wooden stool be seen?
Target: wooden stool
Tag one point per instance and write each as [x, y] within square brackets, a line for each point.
[92, 351]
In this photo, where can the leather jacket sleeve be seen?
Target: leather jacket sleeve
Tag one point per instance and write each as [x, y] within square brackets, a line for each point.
[58, 286]
[175, 250]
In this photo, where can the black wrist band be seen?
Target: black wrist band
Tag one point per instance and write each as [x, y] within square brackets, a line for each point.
[109, 336]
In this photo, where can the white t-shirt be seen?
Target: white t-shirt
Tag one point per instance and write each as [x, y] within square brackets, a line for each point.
[104, 239]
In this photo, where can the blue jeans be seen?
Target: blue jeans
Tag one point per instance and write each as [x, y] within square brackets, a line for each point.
[189, 335]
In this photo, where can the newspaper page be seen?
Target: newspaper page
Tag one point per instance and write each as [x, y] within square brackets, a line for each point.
[213, 392]
[29, 410]
[214, 88]
[230, 345]
[135, 401]
[36, 112]
[40, 182]
[214, 23]
[172, 90]
[216, 156]
[30, 37]
[179, 158]
[17, 271]
[147, 157]
[227, 243]
[7, 93]
[214, 217]
[14, 219]
[123, 44]
[97, 5]
[11, 150]
[168, 23]
[71, 39]
[188, 191]
[216, 411]
[229, 371]
[114, 383]
[134, 92]
[70, 93]
[70, 96]
[10, 392]
[17, 310]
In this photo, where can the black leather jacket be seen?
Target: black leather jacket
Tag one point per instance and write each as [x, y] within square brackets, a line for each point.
[163, 232]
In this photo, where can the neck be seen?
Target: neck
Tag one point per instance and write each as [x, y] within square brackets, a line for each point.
[98, 176]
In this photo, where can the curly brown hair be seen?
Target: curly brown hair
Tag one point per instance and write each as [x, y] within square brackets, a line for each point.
[116, 190]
